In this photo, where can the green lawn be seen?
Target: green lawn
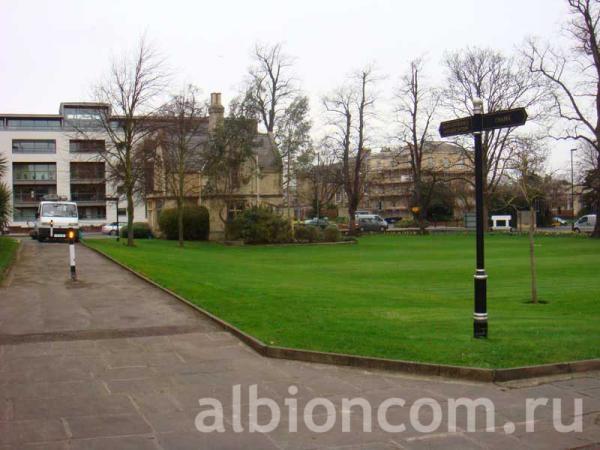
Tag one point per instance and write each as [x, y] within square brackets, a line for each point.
[403, 297]
[8, 248]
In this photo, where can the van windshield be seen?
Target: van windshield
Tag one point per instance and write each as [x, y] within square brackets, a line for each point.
[59, 210]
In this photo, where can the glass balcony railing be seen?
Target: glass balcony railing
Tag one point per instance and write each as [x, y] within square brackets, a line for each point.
[34, 176]
[87, 197]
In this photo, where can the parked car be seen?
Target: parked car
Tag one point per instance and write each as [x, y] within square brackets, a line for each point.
[110, 229]
[372, 223]
[585, 223]
[317, 222]
[558, 222]
[393, 220]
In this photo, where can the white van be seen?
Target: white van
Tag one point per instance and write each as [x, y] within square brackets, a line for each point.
[585, 223]
[54, 219]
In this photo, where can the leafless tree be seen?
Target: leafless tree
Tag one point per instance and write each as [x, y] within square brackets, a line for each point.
[349, 109]
[272, 96]
[525, 170]
[574, 76]
[321, 176]
[180, 143]
[130, 90]
[502, 82]
[416, 104]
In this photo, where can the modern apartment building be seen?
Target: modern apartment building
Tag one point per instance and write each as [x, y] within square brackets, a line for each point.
[47, 155]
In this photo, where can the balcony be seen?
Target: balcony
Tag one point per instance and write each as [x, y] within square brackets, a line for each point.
[87, 178]
[88, 198]
[34, 178]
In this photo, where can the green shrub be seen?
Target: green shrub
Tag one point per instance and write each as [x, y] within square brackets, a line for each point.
[196, 225]
[259, 225]
[341, 219]
[407, 223]
[141, 230]
[308, 233]
[332, 234]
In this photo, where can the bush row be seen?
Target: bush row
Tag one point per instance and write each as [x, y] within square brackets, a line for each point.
[260, 225]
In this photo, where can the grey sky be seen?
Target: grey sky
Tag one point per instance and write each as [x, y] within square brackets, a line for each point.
[53, 51]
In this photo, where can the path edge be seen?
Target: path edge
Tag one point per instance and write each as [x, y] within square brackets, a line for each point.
[373, 363]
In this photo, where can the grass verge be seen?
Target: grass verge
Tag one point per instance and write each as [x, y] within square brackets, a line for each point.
[400, 297]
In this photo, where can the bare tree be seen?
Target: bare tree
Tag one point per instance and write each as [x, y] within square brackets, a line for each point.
[271, 95]
[575, 78]
[270, 86]
[349, 108]
[320, 173]
[525, 169]
[130, 90]
[416, 104]
[502, 83]
[180, 145]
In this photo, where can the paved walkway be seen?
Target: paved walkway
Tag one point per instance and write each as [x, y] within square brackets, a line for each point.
[113, 363]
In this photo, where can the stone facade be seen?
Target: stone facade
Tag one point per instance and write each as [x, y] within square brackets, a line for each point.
[262, 173]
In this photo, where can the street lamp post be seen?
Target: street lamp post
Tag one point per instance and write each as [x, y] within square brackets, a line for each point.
[572, 193]
[480, 316]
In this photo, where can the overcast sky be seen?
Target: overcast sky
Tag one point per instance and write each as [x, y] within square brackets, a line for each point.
[53, 51]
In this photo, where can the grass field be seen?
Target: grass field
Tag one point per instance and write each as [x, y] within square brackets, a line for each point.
[8, 248]
[402, 297]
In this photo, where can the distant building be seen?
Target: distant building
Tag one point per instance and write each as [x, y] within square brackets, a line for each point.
[388, 189]
[47, 156]
[389, 186]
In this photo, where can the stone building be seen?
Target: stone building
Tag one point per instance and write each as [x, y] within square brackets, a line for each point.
[262, 181]
[388, 190]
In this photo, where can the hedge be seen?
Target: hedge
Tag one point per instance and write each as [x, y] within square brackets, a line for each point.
[196, 224]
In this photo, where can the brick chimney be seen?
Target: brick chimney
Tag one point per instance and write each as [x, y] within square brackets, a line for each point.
[215, 110]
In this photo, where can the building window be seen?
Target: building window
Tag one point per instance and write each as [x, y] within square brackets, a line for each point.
[86, 146]
[87, 171]
[43, 124]
[34, 172]
[33, 146]
[121, 212]
[92, 212]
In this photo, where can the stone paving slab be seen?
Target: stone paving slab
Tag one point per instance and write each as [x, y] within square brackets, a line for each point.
[142, 392]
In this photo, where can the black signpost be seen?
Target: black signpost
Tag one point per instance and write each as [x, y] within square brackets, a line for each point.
[476, 124]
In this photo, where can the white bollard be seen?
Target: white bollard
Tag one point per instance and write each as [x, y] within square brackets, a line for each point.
[71, 236]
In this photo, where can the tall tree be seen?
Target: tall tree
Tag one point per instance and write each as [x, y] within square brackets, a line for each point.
[130, 90]
[180, 146]
[293, 141]
[502, 82]
[272, 96]
[349, 109]
[574, 77]
[416, 104]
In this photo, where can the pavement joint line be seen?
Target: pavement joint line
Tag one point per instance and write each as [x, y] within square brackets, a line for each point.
[99, 334]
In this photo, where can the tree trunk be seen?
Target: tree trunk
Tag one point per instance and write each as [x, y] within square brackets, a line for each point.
[180, 222]
[130, 216]
[534, 297]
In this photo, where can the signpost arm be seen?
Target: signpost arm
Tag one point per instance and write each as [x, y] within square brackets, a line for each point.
[480, 314]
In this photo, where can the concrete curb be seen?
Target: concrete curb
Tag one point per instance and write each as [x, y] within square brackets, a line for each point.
[5, 276]
[366, 362]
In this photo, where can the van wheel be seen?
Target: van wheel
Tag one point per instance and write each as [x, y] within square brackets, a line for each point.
[577, 230]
